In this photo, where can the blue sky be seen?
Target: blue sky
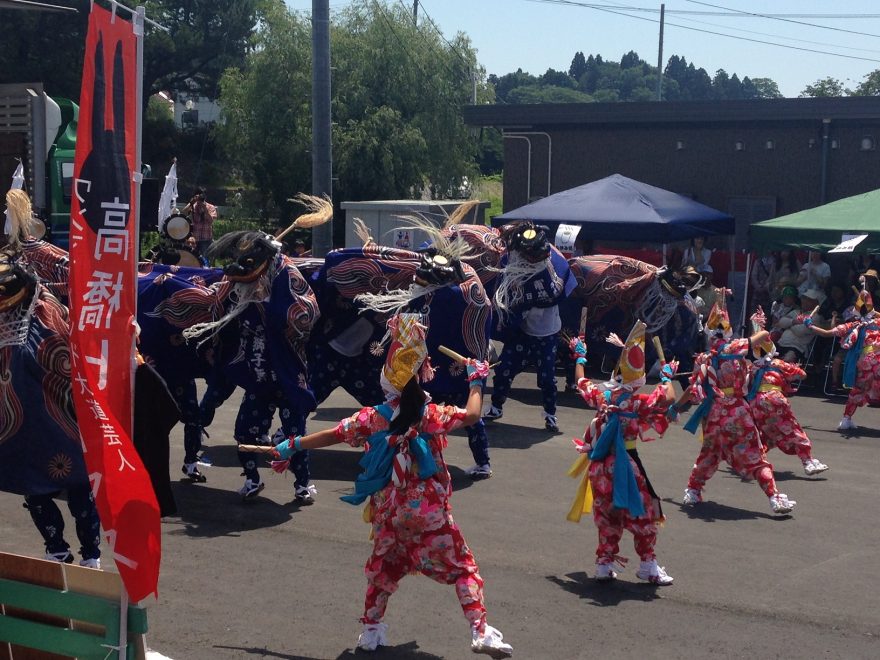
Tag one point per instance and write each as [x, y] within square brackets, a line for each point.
[537, 35]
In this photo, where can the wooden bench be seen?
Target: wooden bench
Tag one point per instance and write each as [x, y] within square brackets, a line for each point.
[52, 611]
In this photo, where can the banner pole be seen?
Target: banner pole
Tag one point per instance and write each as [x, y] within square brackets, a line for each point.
[123, 624]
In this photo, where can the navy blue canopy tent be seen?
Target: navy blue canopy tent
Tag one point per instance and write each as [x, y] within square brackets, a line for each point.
[619, 208]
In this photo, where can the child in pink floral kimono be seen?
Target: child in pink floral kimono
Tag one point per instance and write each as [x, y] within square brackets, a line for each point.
[622, 495]
[718, 384]
[860, 337]
[771, 410]
[408, 484]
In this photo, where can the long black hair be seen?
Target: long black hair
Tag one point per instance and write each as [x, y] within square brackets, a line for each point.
[412, 399]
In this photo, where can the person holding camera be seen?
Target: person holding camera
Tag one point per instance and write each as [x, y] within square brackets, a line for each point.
[202, 215]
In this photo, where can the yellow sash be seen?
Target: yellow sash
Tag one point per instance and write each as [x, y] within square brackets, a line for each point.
[768, 387]
[583, 500]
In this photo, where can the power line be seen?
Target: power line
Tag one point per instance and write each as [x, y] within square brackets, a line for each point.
[778, 36]
[409, 54]
[786, 20]
[452, 46]
[454, 49]
[693, 29]
[731, 13]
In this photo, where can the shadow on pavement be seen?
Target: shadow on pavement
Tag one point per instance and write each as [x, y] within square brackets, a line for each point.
[788, 475]
[714, 512]
[401, 651]
[460, 479]
[515, 436]
[206, 512]
[604, 594]
[331, 414]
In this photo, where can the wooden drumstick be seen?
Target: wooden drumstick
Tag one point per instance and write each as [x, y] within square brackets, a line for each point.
[257, 449]
[659, 348]
[458, 357]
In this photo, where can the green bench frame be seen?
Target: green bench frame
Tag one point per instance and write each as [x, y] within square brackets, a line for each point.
[94, 610]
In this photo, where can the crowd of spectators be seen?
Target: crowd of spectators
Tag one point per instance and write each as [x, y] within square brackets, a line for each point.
[791, 290]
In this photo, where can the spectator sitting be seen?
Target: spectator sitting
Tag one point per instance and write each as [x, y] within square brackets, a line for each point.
[836, 303]
[786, 308]
[786, 272]
[762, 281]
[697, 256]
[193, 246]
[796, 336]
[814, 274]
[299, 249]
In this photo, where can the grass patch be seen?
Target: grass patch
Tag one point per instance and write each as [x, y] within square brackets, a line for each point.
[491, 189]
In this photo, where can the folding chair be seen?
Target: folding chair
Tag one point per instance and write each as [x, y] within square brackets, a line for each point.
[828, 369]
[808, 362]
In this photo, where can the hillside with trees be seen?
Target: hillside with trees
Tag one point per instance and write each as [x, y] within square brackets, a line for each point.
[594, 79]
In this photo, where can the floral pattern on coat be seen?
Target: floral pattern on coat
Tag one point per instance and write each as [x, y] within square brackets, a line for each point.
[413, 528]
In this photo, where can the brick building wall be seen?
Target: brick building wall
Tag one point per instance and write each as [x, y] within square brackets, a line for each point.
[753, 159]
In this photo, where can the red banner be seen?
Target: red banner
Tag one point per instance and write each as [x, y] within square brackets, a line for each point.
[103, 289]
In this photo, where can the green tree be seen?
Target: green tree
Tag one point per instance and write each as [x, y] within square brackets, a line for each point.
[267, 116]
[765, 88]
[578, 66]
[397, 96]
[510, 81]
[630, 60]
[870, 86]
[382, 63]
[548, 94]
[205, 37]
[558, 79]
[824, 87]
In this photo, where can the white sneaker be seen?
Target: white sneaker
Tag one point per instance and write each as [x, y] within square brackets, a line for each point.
[692, 496]
[479, 472]
[373, 636]
[91, 563]
[491, 642]
[305, 494]
[65, 557]
[551, 423]
[251, 489]
[846, 423]
[781, 504]
[493, 413]
[651, 572]
[814, 466]
[605, 572]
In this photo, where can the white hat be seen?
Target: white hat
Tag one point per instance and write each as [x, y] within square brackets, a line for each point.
[814, 294]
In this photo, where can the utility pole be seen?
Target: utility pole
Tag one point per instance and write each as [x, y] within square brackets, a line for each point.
[415, 12]
[660, 55]
[322, 154]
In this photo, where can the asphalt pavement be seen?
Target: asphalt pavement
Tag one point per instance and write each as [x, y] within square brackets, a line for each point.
[269, 578]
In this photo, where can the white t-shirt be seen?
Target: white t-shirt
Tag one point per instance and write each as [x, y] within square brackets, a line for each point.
[815, 272]
[699, 262]
[542, 321]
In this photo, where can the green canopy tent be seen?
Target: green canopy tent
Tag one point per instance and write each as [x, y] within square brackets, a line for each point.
[824, 227]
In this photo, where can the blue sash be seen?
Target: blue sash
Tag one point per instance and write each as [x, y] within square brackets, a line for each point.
[626, 488]
[851, 362]
[377, 461]
[758, 379]
[705, 406]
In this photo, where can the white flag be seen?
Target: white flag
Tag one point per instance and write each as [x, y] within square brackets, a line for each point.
[168, 200]
[18, 178]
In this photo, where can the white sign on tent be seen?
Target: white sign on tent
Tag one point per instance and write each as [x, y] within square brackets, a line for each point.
[848, 242]
[565, 237]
